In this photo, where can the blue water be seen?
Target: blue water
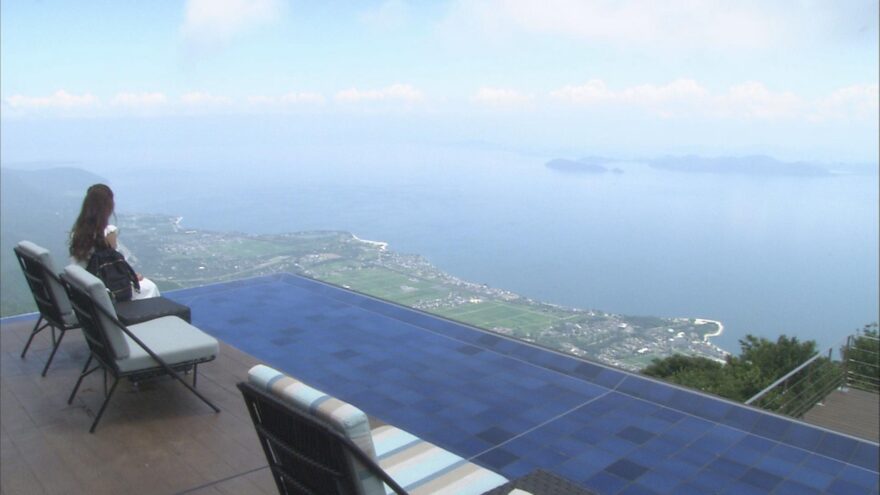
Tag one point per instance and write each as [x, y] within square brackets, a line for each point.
[764, 255]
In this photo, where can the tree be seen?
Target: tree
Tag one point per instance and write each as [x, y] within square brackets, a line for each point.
[760, 363]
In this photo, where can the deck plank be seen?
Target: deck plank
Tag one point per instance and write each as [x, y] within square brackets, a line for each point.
[154, 438]
[849, 411]
[16, 476]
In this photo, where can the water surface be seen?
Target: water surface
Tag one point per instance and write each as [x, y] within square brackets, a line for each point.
[766, 255]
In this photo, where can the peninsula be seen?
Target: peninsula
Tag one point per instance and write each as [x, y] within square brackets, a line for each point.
[177, 257]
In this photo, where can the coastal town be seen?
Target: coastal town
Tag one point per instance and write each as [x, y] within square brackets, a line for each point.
[179, 257]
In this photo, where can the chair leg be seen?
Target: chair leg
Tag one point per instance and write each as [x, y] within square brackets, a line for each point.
[81, 376]
[177, 377]
[34, 332]
[104, 405]
[54, 349]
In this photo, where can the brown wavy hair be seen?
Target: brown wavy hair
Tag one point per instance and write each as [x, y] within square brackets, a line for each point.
[88, 230]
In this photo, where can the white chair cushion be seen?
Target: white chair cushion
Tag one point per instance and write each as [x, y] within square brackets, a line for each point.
[172, 339]
[79, 277]
[45, 257]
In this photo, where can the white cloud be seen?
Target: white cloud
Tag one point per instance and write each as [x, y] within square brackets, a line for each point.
[302, 97]
[593, 92]
[391, 14]
[60, 99]
[647, 23]
[200, 99]
[748, 101]
[208, 22]
[399, 92]
[501, 97]
[859, 101]
[139, 100]
[287, 99]
[663, 100]
[754, 100]
[677, 99]
[678, 90]
[686, 97]
[261, 100]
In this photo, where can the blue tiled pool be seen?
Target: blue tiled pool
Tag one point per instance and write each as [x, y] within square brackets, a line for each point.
[514, 407]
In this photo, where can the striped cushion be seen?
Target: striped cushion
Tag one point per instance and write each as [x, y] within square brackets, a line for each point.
[421, 467]
[349, 420]
[416, 465]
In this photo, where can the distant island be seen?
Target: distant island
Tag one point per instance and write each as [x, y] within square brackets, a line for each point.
[753, 165]
[589, 165]
[757, 165]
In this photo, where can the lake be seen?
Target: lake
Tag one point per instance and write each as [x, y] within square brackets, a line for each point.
[765, 255]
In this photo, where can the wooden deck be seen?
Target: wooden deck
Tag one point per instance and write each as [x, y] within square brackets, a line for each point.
[851, 411]
[158, 439]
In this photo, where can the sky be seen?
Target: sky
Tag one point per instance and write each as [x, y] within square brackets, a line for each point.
[794, 79]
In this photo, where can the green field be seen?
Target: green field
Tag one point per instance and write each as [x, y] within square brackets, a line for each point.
[249, 248]
[397, 287]
[381, 282]
[492, 314]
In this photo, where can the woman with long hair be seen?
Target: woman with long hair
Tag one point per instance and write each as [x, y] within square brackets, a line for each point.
[92, 231]
[88, 230]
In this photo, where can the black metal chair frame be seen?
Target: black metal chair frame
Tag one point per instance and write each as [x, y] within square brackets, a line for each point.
[88, 312]
[306, 455]
[38, 275]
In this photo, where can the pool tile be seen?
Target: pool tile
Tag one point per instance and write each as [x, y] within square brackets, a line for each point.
[497, 458]
[866, 456]
[823, 464]
[711, 481]
[742, 488]
[662, 482]
[843, 487]
[728, 467]
[605, 482]
[813, 478]
[837, 446]
[626, 469]
[637, 489]
[635, 435]
[689, 488]
[859, 476]
[803, 436]
[790, 487]
[469, 391]
[777, 466]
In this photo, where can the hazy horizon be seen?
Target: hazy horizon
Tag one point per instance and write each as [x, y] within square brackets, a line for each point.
[210, 79]
[756, 252]
[265, 114]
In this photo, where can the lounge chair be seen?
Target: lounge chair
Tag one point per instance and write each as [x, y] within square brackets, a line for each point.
[166, 345]
[49, 295]
[318, 444]
[53, 303]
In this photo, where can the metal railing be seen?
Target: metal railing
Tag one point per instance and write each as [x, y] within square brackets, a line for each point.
[808, 384]
[861, 362]
[801, 388]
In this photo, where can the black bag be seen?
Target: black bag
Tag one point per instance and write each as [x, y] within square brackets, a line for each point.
[110, 266]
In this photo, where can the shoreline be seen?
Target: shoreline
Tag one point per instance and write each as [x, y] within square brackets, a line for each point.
[717, 333]
[381, 245]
